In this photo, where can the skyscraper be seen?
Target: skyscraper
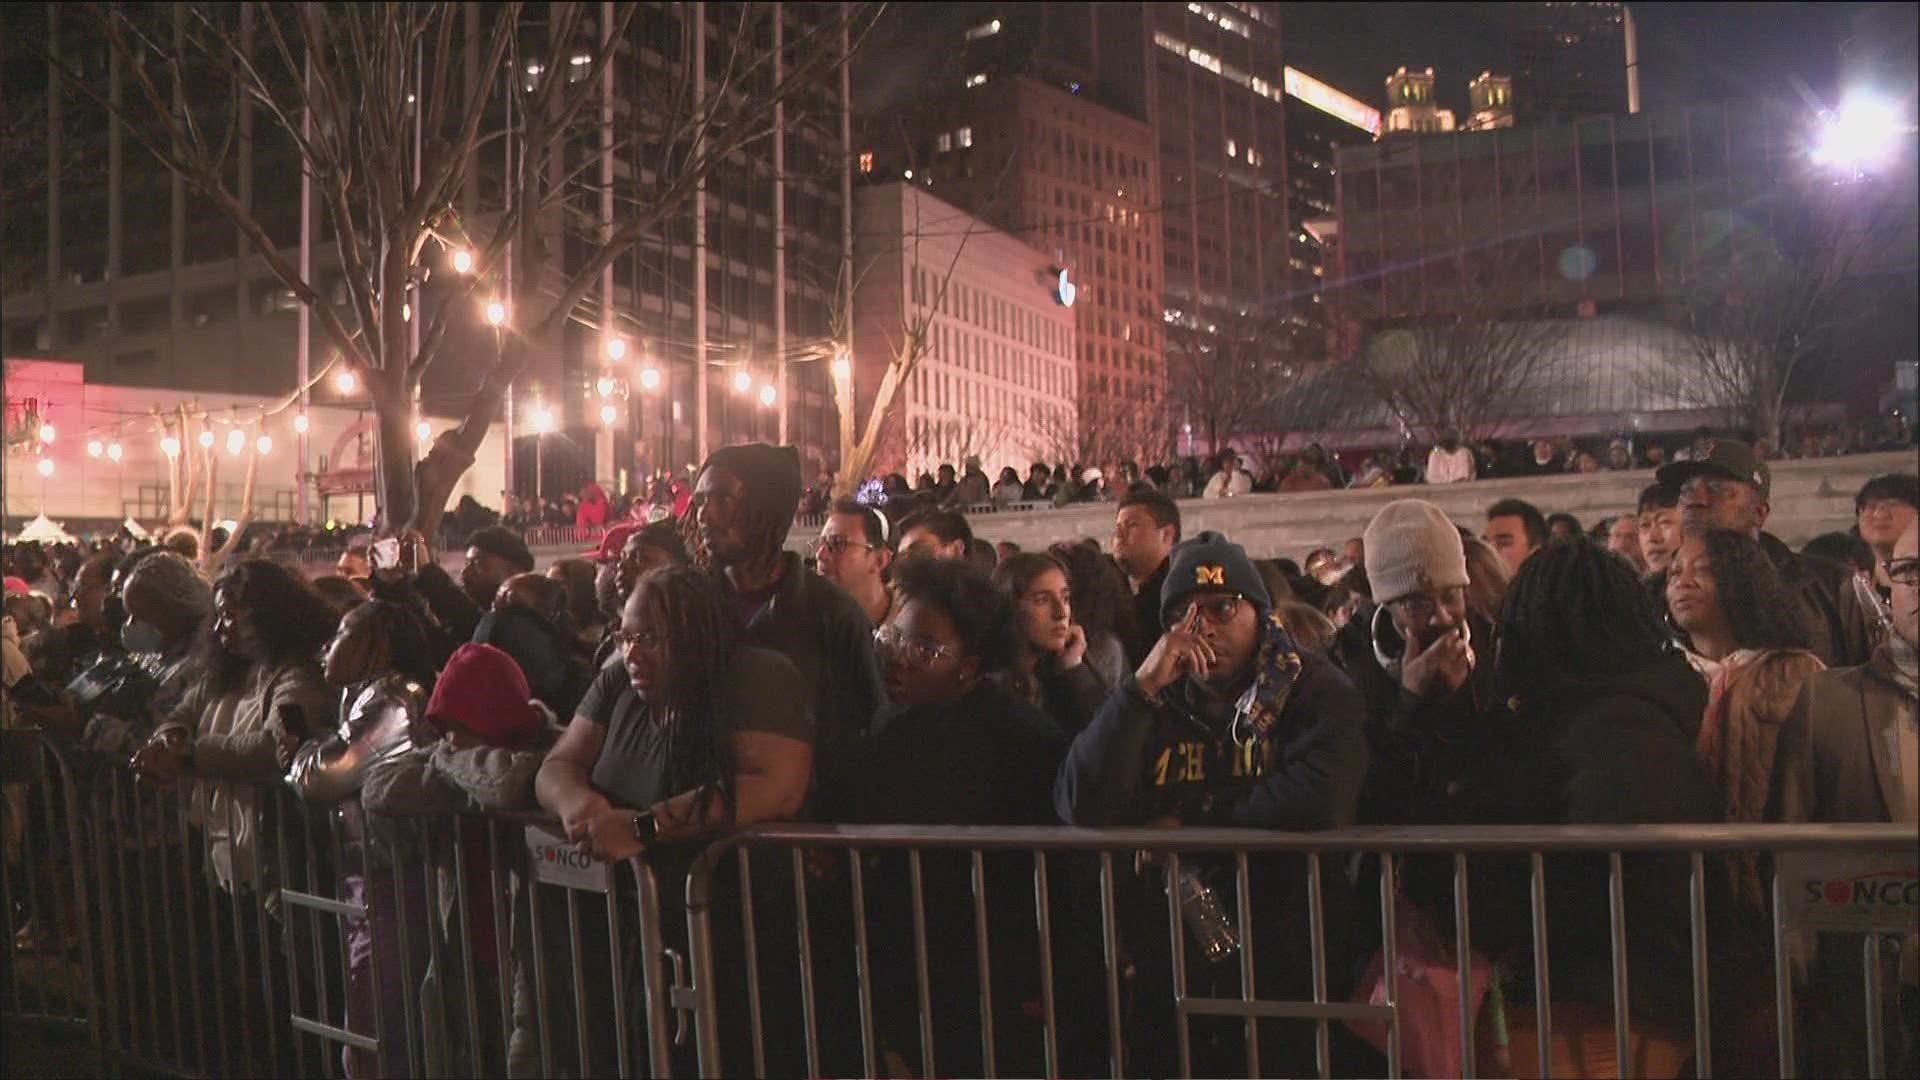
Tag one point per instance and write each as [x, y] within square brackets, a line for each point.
[1570, 60]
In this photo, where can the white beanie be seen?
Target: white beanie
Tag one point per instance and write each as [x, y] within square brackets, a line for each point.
[1411, 547]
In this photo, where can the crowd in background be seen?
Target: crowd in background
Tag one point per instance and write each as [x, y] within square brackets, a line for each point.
[689, 677]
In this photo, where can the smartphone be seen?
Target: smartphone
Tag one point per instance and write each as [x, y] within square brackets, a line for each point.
[385, 554]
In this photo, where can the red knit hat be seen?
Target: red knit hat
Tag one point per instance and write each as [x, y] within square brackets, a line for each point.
[483, 692]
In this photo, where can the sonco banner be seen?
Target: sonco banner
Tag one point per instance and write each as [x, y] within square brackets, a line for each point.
[1851, 891]
[557, 862]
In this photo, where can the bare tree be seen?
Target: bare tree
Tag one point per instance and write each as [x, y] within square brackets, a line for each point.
[346, 86]
[1479, 353]
[1226, 375]
[1774, 299]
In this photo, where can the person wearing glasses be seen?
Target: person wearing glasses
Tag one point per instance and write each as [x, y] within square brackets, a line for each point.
[854, 550]
[1850, 751]
[1227, 723]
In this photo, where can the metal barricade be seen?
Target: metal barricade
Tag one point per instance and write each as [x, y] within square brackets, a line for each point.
[921, 1011]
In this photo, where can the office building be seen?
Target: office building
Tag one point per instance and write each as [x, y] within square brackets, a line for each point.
[1570, 60]
[110, 260]
[1411, 108]
[1072, 179]
[997, 379]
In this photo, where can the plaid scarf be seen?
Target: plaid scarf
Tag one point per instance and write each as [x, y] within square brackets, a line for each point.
[1275, 669]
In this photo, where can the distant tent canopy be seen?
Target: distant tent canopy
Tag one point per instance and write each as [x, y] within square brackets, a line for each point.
[43, 530]
[1611, 373]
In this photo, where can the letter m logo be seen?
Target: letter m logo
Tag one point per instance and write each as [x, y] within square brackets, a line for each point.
[1210, 575]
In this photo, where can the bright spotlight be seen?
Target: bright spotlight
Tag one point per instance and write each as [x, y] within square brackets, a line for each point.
[542, 419]
[1860, 136]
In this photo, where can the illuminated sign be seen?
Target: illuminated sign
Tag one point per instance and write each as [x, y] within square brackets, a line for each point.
[1064, 290]
[1332, 102]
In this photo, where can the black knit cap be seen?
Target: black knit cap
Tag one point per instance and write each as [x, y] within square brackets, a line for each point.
[1209, 562]
[504, 542]
[771, 475]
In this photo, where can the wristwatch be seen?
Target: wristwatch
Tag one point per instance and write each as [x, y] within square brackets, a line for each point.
[645, 828]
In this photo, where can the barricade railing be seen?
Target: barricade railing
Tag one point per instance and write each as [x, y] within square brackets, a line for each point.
[213, 929]
[1809, 863]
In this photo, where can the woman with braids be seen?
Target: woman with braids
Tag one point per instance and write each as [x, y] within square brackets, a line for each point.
[1605, 716]
[693, 736]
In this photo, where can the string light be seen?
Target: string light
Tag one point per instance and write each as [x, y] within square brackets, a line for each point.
[95, 448]
[424, 431]
[236, 441]
[604, 386]
[114, 453]
[170, 446]
[47, 433]
[767, 396]
[496, 313]
[206, 440]
[842, 365]
[345, 382]
[742, 382]
[45, 466]
[649, 379]
[608, 414]
[462, 261]
[542, 419]
[301, 423]
[263, 445]
[616, 348]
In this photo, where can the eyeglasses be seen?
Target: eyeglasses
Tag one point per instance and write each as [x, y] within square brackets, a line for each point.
[649, 640]
[890, 640]
[837, 545]
[1421, 606]
[1216, 608]
[1903, 571]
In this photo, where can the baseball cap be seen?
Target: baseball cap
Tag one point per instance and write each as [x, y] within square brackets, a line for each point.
[1731, 459]
[612, 544]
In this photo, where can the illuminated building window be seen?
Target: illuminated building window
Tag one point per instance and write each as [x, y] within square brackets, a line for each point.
[978, 78]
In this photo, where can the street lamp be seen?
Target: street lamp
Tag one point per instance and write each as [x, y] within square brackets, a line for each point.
[542, 419]
[608, 414]
[1860, 136]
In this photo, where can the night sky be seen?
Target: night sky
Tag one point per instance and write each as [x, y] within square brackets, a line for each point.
[1690, 53]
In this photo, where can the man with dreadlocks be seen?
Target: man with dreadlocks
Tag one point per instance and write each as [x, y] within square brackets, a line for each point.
[1228, 722]
[745, 499]
[695, 734]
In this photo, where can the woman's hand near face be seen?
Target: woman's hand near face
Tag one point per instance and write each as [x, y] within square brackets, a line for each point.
[1075, 651]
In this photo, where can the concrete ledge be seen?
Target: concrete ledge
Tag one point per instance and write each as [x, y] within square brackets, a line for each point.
[1809, 498]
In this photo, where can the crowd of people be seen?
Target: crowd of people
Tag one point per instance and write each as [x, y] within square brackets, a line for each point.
[689, 677]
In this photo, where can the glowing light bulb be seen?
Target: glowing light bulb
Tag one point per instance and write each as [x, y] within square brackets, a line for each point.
[616, 348]
[45, 466]
[301, 423]
[604, 387]
[47, 433]
[767, 396]
[742, 382]
[424, 431]
[345, 382]
[206, 440]
[114, 452]
[95, 448]
[842, 365]
[608, 414]
[263, 445]
[496, 313]
[170, 446]
[462, 261]
[542, 419]
[236, 441]
[649, 379]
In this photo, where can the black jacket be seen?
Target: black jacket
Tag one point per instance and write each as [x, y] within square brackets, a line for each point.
[1147, 757]
[1842, 632]
[1146, 613]
[814, 623]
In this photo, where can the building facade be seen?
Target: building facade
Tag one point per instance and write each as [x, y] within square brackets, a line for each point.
[997, 379]
[1071, 179]
[1570, 60]
[110, 260]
